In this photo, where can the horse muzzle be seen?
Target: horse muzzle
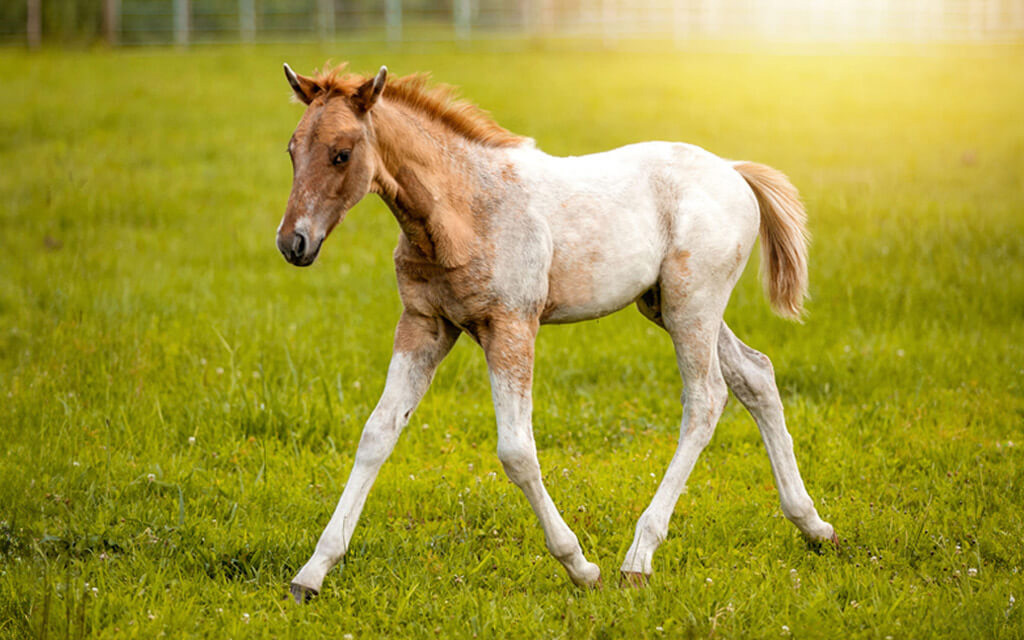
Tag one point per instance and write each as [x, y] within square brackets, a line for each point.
[298, 248]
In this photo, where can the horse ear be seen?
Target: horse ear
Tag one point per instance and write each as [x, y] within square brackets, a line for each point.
[305, 88]
[367, 94]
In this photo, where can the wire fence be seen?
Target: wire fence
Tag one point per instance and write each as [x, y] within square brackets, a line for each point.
[184, 22]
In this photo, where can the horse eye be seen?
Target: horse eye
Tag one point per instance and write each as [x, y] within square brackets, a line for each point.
[342, 156]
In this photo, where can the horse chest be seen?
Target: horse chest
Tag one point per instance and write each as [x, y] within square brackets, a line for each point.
[463, 295]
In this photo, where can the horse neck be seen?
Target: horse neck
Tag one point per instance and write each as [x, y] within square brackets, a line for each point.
[426, 177]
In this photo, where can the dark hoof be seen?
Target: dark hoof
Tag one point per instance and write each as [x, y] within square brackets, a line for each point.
[633, 579]
[302, 594]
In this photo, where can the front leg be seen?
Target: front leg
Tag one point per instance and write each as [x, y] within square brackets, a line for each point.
[421, 343]
[508, 345]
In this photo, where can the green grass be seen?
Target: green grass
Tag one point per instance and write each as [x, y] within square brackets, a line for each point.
[142, 304]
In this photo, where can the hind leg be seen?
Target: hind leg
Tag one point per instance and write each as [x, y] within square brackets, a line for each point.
[750, 375]
[692, 318]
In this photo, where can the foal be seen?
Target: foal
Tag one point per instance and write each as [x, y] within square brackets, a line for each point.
[499, 238]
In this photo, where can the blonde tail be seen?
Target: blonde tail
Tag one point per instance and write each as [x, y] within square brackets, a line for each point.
[784, 237]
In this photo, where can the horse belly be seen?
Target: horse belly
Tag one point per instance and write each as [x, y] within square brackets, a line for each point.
[600, 272]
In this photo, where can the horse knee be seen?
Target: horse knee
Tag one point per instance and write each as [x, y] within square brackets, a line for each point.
[376, 443]
[519, 461]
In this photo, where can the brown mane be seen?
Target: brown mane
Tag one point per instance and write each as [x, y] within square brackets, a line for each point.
[439, 102]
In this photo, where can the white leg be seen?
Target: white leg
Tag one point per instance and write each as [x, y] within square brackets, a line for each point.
[420, 345]
[704, 397]
[509, 349]
[750, 375]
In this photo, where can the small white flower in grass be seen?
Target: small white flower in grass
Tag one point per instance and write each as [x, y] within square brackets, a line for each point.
[854, 604]
[220, 371]
[150, 477]
[659, 629]
[191, 439]
[245, 618]
[357, 385]
[95, 591]
[708, 580]
[412, 477]
[785, 630]
[347, 636]
[150, 615]
[972, 572]
[900, 353]
[76, 463]
[1012, 600]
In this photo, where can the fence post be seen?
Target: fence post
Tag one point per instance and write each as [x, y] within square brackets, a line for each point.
[111, 21]
[462, 16]
[34, 23]
[181, 20]
[1017, 18]
[325, 19]
[247, 20]
[679, 24]
[992, 18]
[393, 17]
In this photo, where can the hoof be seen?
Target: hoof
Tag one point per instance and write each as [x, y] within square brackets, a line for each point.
[633, 579]
[302, 594]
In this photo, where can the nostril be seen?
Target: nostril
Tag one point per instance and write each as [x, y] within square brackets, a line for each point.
[299, 244]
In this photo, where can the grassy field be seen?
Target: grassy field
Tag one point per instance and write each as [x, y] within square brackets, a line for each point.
[179, 407]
